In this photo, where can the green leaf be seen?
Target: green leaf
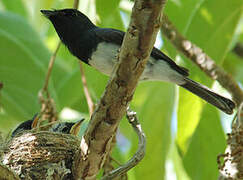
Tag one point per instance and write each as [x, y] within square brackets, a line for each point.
[233, 64]
[178, 164]
[15, 6]
[23, 65]
[211, 25]
[110, 15]
[187, 122]
[216, 31]
[208, 141]
[21, 70]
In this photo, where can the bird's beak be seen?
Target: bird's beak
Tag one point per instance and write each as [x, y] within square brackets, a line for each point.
[47, 13]
[76, 127]
[35, 121]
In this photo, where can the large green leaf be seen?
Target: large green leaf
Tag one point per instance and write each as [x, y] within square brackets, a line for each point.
[214, 31]
[178, 164]
[211, 25]
[110, 15]
[187, 122]
[15, 6]
[23, 64]
[21, 68]
[208, 141]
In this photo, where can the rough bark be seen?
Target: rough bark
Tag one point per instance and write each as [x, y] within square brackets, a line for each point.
[232, 165]
[136, 48]
[41, 155]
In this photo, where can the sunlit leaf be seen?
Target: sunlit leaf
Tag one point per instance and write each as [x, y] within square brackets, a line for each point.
[15, 6]
[201, 23]
[208, 141]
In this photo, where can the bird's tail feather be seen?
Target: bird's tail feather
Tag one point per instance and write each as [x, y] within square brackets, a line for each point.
[211, 97]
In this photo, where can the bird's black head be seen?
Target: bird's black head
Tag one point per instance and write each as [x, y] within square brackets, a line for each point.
[68, 19]
[68, 22]
[24, 126]
[62, 127]
[71, 26]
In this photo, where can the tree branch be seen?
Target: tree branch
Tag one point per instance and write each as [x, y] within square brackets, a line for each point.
[232, 166]
[138, 156]
[202, 60]
[86, 90]
[136, 48]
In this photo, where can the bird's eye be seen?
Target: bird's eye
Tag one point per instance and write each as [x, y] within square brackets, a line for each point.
[65, 130]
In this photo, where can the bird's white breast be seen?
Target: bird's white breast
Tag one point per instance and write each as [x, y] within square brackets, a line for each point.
[105, 57]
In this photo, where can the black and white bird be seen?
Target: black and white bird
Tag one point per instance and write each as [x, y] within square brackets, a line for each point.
[98, 47]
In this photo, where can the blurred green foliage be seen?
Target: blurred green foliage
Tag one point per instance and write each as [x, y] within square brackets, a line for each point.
[184, 135]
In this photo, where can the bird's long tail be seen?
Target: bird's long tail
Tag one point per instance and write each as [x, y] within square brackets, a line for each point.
[211, 97]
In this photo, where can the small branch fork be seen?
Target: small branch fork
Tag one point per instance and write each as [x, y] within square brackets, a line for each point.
[232, 166]
[138, 156]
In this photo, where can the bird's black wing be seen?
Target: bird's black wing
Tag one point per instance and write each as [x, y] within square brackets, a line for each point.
[110, 35]
[116, 36]
[157, 54]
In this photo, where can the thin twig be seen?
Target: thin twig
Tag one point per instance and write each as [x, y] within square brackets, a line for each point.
[138, 156]
[48, 109]
[75, 4]
[83, 78]
[86, 90]
[201, 59]
[50, 67]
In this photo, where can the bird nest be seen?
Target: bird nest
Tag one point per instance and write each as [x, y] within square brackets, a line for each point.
[41, 155]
